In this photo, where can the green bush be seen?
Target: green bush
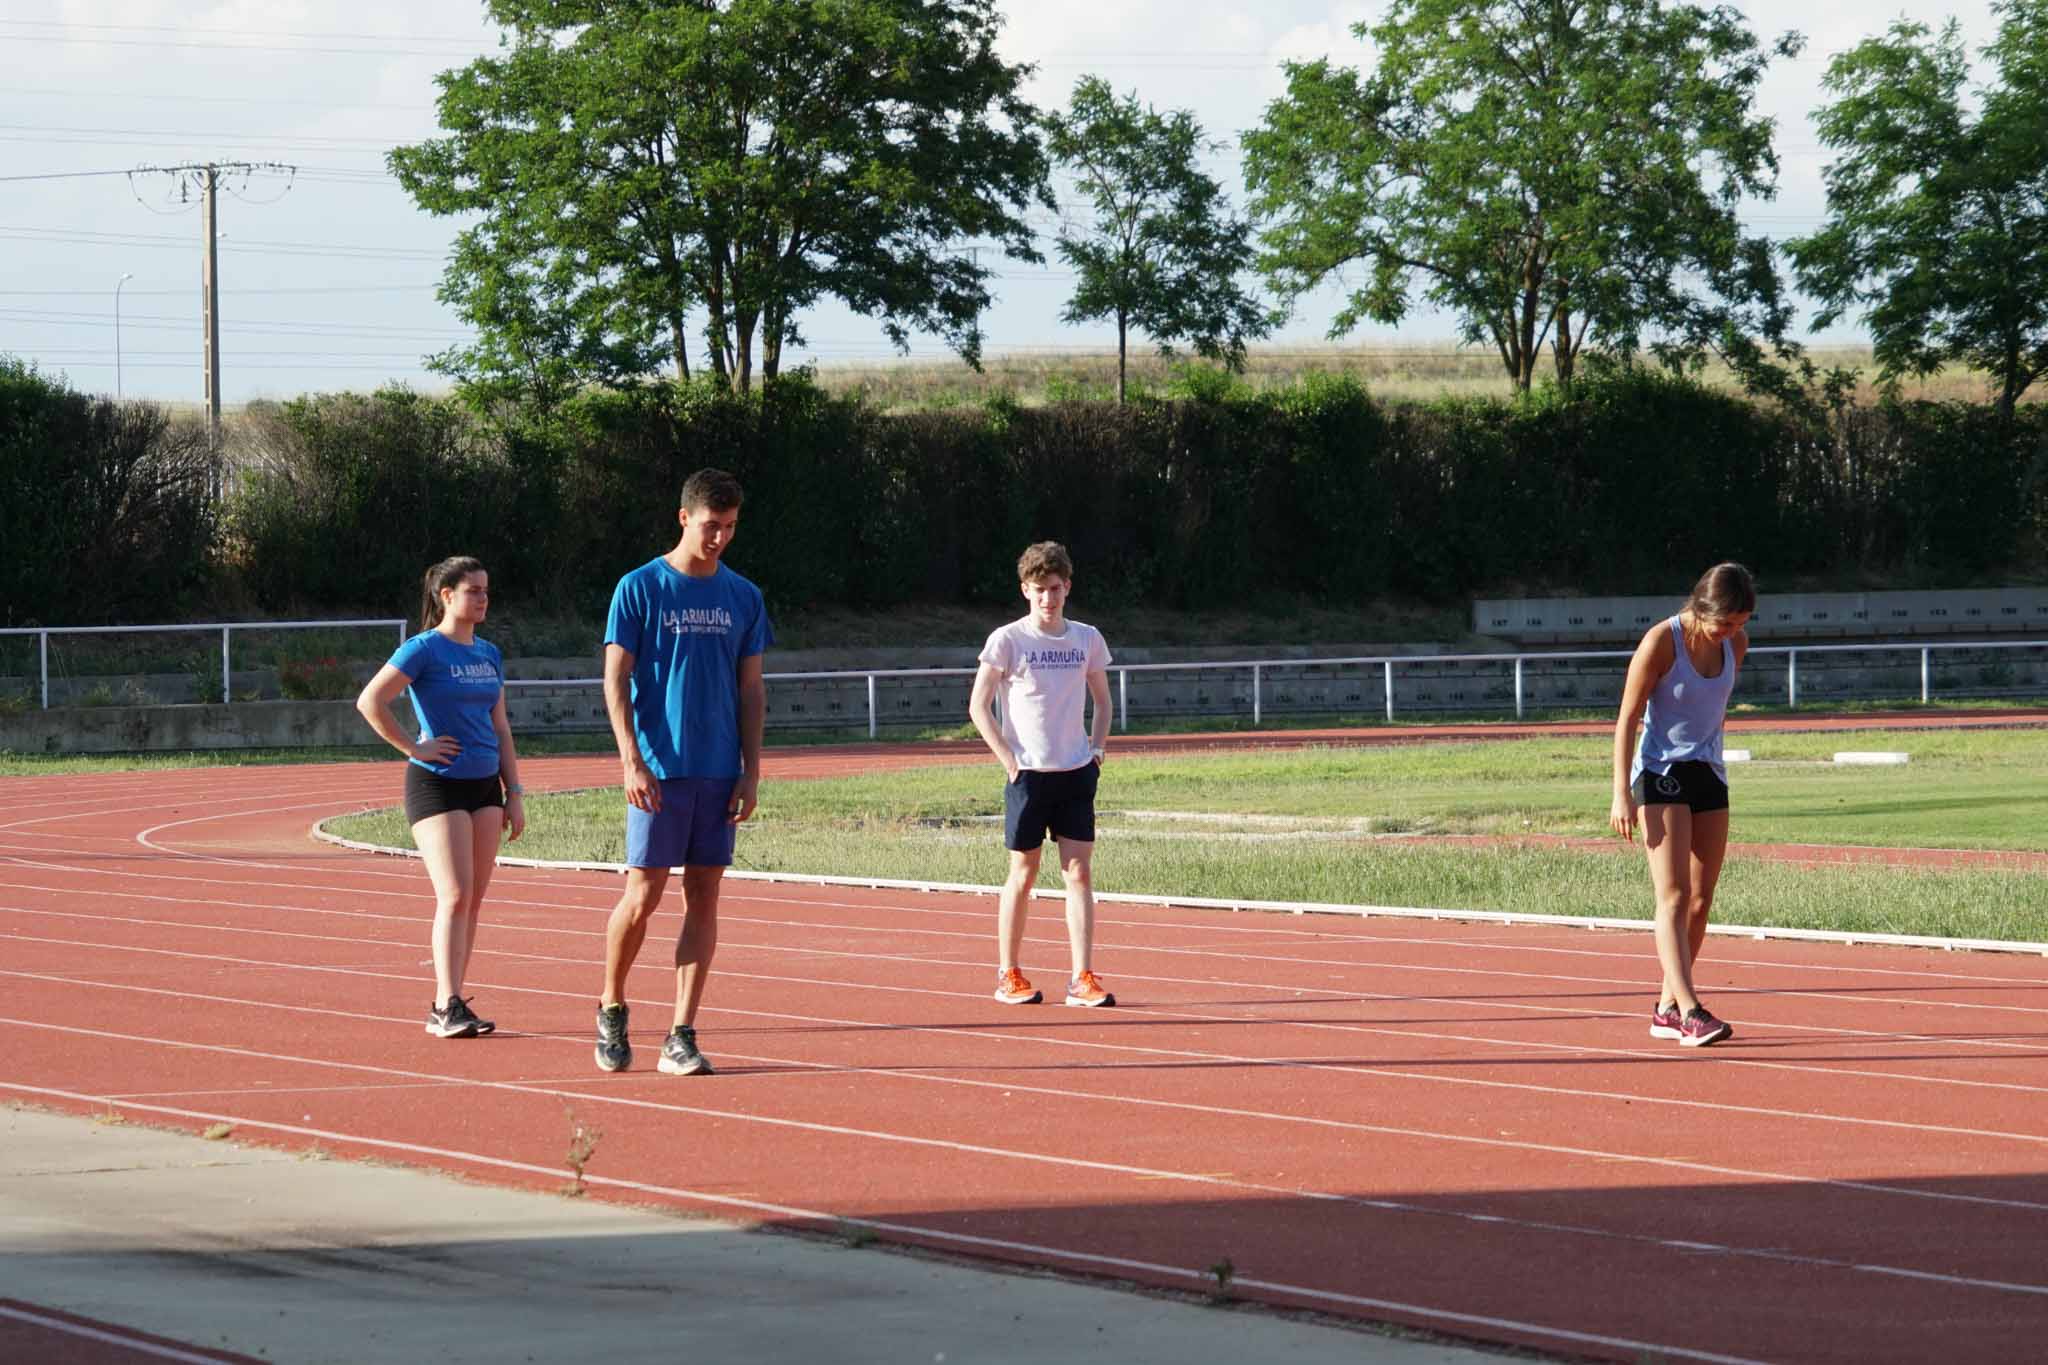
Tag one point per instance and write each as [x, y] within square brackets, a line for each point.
[1212, 495]
[106, 508]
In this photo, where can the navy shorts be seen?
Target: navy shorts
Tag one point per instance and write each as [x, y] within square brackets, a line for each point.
[1038, 802]
[1691, 783]
[428, 794]
[693, 828]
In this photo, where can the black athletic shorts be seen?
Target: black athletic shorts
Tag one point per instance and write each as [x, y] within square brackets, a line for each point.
[1063, 803]
[428, 794]
[1691, 783]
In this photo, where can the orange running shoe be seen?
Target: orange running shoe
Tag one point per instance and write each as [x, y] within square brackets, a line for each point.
[1086, 990]
[1013, 989]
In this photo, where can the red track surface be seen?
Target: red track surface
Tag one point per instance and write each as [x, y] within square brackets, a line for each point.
[1459, 1127]
[31, 1333]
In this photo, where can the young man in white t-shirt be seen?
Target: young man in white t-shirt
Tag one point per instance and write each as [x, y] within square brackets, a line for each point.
[1044, 668]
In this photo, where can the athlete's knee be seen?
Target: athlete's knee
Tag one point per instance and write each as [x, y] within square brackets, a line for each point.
[636, 906]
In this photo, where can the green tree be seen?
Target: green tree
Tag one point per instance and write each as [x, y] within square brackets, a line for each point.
[1937, 225]
[633, 164]
[1553, 172]
[1163, 252]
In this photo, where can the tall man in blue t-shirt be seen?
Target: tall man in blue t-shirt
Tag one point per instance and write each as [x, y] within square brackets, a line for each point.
[683, 687]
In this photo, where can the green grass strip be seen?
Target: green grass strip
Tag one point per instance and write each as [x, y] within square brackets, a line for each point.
[1316, 814]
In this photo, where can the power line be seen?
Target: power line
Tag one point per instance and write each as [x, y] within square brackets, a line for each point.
[252, 246]
[421, 286]
[335, 144]
[106, 96]
[62, 175]
[448, 38]
[157, 322]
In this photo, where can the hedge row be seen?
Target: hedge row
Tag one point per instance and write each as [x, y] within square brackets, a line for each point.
[107, 510]
[1632, 483]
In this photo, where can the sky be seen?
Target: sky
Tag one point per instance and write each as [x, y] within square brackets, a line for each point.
[328, 270]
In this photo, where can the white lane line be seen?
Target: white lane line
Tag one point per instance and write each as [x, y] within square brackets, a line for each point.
[1407, 1074]
[115, 1338]
[1011, 1039]
[915, 1232]
[252, 803]
[1767, 1254]
[1359, 932]
[1832, 996]
[1061, 1092]
[1363, 996]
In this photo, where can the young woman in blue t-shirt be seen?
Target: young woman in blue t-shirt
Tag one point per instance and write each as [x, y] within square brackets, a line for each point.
[1677, 695]
[462, 787]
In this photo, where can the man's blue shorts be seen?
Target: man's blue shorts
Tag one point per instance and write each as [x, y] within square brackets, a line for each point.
[693, 828]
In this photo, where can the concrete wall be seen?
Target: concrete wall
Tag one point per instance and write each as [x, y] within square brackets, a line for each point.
[154, 729]
[1780, 617]
[1424, 686]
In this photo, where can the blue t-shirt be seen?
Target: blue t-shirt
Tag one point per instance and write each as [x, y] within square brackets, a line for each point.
[454, 687]
[687, 637]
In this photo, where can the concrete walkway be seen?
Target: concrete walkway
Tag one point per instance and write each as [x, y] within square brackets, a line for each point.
[301, 1261]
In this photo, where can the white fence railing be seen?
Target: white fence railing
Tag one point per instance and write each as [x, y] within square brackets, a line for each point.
[1515, 671]
[1512, 681]
[226, 629]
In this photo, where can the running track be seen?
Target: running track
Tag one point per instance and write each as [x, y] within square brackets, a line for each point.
[1456, 1127]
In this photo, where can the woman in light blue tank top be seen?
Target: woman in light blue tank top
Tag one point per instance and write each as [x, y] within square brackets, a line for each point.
[1668, 766]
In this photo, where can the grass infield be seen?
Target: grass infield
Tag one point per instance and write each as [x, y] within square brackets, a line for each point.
[1312, 825]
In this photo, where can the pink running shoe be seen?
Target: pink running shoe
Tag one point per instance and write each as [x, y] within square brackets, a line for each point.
[1701, 1029]
[1665, 1023]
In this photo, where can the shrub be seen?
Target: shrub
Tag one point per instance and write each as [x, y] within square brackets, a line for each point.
[106, 507]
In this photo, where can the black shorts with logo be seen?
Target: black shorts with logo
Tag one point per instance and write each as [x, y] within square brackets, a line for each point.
[428, 794]
[1690, 783]
[1062, 802]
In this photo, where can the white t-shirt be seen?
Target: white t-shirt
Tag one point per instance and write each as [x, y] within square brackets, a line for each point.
[1045, 689]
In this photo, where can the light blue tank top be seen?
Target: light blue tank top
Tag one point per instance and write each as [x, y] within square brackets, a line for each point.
[1682, 723]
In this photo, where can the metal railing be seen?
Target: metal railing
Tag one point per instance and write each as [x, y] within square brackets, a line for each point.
[226, 629]
[1387, 666]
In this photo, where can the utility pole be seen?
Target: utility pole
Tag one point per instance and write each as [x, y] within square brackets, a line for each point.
[117, 331]
[205, 177]
[209, 306]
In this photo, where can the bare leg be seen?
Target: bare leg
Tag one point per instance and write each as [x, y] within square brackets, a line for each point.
[698, 940]
[1709, 850]
[447, 846]
[1011, 902]
[626, 930]
[1075, 857]
[1667, 839]
[485, 827]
